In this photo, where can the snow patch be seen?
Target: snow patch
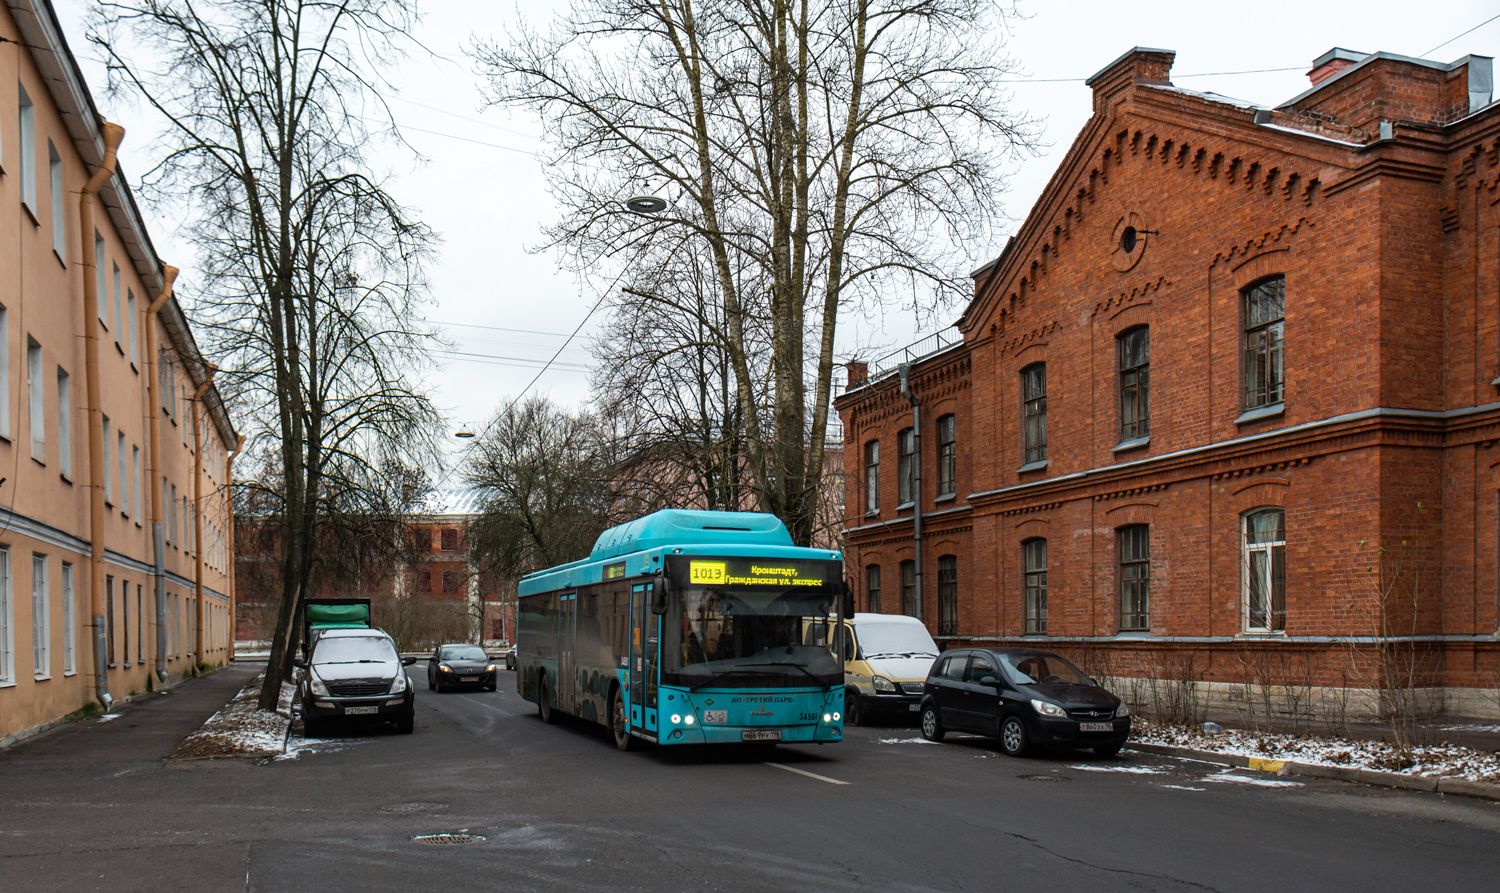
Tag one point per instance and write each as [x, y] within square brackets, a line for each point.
[906, 741]
[1181, 787]
[109, 716]
[1132, 770]
[240, 728]
[1245, 779]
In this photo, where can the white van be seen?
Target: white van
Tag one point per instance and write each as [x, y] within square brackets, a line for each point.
[886, 659]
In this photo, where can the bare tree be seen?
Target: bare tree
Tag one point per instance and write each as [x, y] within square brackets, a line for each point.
[545, 476]
[835, 147]
[312, 271]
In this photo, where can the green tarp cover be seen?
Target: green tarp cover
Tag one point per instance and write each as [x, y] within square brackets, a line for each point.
[338, 615]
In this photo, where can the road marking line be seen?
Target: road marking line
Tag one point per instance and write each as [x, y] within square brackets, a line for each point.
[808, 774]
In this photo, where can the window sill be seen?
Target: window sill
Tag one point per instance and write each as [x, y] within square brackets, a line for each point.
[1133, 443]
[1263, 412]
[1038, 465]
[120, 348]
[60, 260]
[41, 462]
[7, 683]
[26, 206]
[1261, 634]
[946, 497]
[41, 678]
[1033, 635]
[1133, 634]
[906, 505]
[65, 479]
[68, 673]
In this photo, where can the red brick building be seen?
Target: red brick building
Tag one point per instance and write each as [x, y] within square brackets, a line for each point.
[1229, 399]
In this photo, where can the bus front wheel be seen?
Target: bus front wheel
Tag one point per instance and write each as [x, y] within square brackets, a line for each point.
[544, 705]
[623, 739]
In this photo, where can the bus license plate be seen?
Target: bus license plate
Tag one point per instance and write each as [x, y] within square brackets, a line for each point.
[359, 711]
[761, 735]
[1096, 727]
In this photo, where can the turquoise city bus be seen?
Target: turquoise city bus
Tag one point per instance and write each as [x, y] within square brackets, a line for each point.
[689, 627]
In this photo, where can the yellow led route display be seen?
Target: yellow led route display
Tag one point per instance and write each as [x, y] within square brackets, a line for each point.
[756, 572]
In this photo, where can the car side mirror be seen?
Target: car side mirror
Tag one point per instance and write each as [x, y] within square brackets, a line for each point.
[659, 595]
[990, 681]
[408, 661]
[299, 662]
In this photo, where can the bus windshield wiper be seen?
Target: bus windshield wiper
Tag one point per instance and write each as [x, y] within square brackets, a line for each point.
[743, 669]
[733, 671]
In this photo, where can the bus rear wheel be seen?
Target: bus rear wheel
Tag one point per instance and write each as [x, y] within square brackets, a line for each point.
[544, 705]
[623, 739]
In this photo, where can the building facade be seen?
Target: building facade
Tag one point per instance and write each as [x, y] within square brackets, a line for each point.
[1227, 406]
[110, 426]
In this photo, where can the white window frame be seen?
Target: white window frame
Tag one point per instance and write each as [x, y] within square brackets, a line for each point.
[124, 473]
[135, 489]
[59, 213]
[140, 624]
[130, 309]
[27, 119]
[7, 622]
[1269, 578]
[4, 372]
[103, 281]
[119, 317]
[38, 400]
[64, 424]
[41, 619]
[70, 622]
[109, 478]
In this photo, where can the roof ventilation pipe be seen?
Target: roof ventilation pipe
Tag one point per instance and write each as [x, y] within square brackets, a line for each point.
[916, 481]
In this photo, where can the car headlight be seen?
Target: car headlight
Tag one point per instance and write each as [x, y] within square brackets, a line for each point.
[400, 684]
[317, 686]
[490, 668]
[444, 668]
[1122, 711]
[1046, 708]
[883, 684]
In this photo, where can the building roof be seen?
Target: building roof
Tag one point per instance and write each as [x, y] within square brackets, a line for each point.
[453, 501]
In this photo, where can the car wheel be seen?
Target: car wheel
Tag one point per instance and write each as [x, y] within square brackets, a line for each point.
[406, 724]
[544, 705]
[1108, 750]
[852, 714]
[1013, 740]
[430, 684]
[623, 739]
[932, 725]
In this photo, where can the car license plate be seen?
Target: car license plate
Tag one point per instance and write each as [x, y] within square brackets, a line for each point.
[716, 716]
[471, 678]
[913, 708]
[360, 711]
[1096, 727]
[761, 735]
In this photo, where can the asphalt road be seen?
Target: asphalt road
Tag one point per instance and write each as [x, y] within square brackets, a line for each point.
[93, 807]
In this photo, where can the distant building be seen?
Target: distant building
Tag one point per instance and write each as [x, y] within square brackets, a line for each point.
[87, 472]
[1226, 409]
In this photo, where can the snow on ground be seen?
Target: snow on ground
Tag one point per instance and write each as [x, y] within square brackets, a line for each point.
[1231, 777]
[297, 746]
[1327, 750]
[240, 729]
[1132, 770]
[906, 741]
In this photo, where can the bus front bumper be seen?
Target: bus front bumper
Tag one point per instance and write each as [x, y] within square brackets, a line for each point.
[801, 733]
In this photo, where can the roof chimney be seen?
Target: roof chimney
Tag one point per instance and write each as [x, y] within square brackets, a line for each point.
[858, 374]
[1334, 62]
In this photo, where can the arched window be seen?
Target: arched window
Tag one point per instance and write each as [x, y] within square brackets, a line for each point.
[947, 584]
[906, 466]
[1034, 555]
[872, 589]
[947, 455]
[1034, 411]
[1134, 349]
[1265, 373]
[872, 477]
[1135, 577]
[1265, 570]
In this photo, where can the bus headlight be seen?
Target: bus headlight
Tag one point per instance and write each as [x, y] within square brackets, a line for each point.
[687, 720]
[676, 718]
[836, 716]
[828, 717]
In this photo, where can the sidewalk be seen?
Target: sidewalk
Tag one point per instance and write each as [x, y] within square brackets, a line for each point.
[145, 729]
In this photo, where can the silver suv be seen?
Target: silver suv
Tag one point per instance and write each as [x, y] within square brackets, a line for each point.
[355, 674]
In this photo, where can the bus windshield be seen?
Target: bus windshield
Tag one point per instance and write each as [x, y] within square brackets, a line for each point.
[749, 637]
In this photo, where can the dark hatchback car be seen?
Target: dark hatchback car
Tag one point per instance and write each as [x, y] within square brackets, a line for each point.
[355, 674]
[1026, 698]
[460, 666]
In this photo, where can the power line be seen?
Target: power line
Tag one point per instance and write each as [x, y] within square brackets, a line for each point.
[474, 325]
[498, 359]
[1465, 34]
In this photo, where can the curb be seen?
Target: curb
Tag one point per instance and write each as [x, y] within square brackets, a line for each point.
[1444, 785]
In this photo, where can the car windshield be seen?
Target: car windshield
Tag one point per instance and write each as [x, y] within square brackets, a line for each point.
[756, 637]
[462, 652]
[1046, 669]
[886, 639]
[354, 650]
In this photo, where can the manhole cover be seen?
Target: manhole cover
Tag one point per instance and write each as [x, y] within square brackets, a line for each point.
[409, 808]
[447, 839]
[1044, 777]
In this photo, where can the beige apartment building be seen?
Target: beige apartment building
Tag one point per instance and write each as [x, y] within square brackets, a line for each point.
[112, 434]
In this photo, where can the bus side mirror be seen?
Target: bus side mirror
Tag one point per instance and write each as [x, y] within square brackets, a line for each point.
[848, 600]
[659, 595]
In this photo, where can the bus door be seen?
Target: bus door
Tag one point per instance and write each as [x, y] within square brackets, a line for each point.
[567, 627]
[639, 595]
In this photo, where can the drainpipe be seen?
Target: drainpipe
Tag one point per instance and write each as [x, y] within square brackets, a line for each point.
[112, 133]
[916, 482]
[229, 540]
[200, 641]
[153, 468]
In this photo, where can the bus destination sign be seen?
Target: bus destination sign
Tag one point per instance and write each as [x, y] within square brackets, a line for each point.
[756, 572]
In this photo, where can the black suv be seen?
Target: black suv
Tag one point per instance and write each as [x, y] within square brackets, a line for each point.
[1023, 697]
[355, 674]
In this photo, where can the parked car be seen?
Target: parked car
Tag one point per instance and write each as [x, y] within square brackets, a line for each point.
[1024, 697]
[886, 659]
[355, 674]
[460, 666]
[510, 658]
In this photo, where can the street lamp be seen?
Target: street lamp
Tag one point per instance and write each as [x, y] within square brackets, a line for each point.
[646, 204]
[464, 433]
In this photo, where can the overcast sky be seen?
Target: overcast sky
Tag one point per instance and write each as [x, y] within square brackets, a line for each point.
[508, 310]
